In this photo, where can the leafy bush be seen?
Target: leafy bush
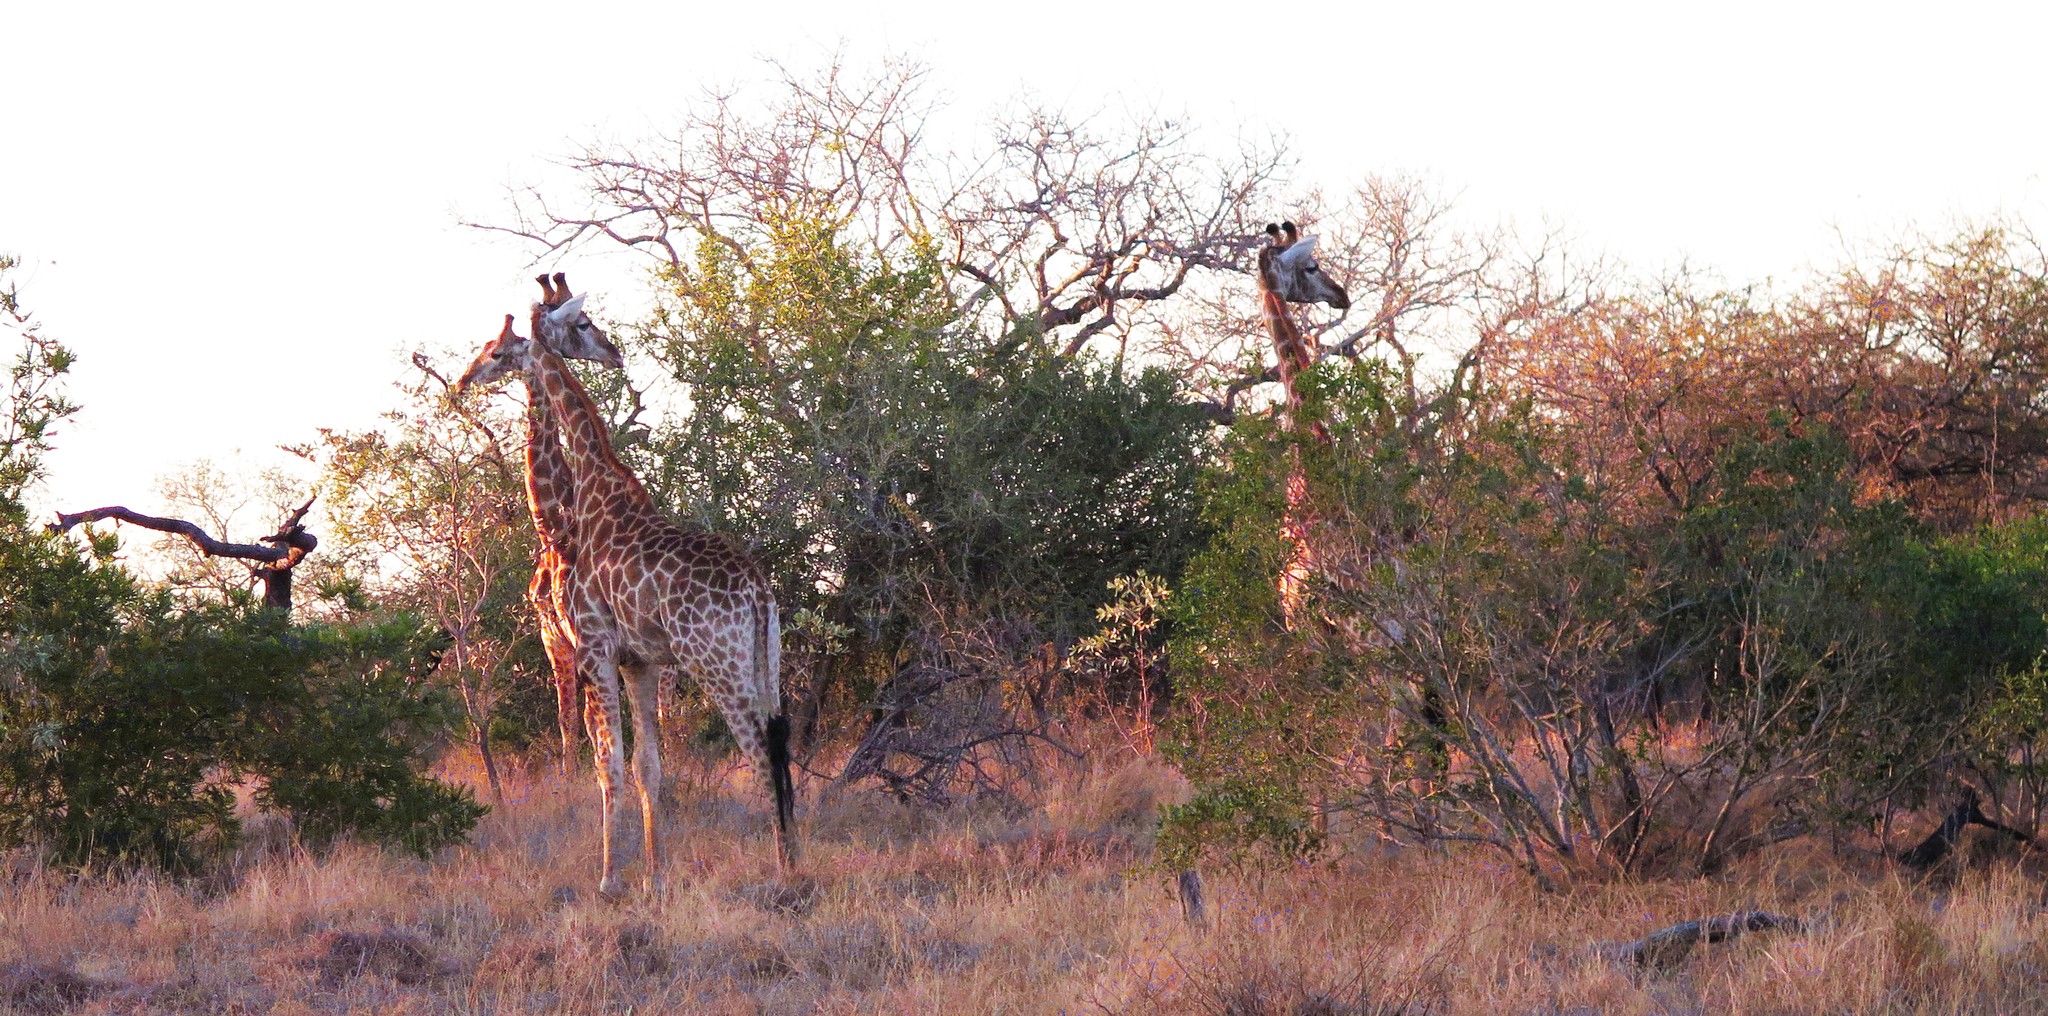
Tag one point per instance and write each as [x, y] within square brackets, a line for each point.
[1497, 656]
[127, 722]
[947, 503]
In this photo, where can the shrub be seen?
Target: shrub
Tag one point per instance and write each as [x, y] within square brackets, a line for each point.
[1495, 655]
[126, 721]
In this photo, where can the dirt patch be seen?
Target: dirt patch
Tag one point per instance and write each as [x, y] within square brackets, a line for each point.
[48, 988]
[739, 961]
[793, 898]
[344, 955]
[640, 951]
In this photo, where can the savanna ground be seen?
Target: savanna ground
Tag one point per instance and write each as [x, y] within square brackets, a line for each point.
[1051, 905]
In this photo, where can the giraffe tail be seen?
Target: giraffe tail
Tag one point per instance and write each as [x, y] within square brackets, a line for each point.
[785, 790]
[768, 656]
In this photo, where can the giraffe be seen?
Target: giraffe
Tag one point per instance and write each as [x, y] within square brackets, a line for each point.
[1288, 273]
[548, 492]
[647, 595]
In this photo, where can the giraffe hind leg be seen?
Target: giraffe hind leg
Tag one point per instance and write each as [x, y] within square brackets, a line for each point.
[763, 741]
[640, 684]
[602, 711]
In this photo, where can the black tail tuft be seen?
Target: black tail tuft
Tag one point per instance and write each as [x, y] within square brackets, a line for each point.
[777, 732]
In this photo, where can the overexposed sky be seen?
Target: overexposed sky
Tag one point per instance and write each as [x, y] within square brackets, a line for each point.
[239, 215]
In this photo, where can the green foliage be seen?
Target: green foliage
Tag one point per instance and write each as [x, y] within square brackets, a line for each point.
[1492, 638]
[346, 735]
[901, 475]
[124, 738]
[35, 403]
[1262, 706]
[432, 505]
[127, 722]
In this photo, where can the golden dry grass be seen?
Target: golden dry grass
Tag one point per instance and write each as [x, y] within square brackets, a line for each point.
[1041, 907]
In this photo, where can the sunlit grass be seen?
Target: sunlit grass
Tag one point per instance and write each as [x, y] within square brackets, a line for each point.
[1042, 906]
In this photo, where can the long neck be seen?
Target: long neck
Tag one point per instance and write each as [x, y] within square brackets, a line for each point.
[550, 488]
[1288, 343]
[602, 482]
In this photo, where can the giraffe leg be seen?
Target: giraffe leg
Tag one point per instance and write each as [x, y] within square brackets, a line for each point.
[594, 657]
[561, 653]
[736, 687]
[641, 681]
[568, 700]
[665, 704]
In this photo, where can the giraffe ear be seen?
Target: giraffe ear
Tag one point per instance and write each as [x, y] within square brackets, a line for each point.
[1297, 255]
[567, 313]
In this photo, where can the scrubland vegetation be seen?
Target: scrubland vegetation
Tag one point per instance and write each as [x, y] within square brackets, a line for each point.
[1635, 600]
[1047, 905]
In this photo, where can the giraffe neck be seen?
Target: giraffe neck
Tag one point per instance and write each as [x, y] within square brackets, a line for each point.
[1288, 344]
[550, 489]
[602, 482]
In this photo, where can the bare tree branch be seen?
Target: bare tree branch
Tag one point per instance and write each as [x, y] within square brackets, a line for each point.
[286, 548]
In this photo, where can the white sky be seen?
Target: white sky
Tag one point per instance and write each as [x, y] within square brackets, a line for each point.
[238, 218]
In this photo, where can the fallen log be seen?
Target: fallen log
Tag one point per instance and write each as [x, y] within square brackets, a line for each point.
[1942, 841]
[1668, 946]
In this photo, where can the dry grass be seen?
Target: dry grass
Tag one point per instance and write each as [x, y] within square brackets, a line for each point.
[1045, 907]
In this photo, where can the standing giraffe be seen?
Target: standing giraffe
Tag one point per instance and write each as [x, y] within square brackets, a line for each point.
[548, 493]
[549, 490]
[1288, 273]
[647, 595]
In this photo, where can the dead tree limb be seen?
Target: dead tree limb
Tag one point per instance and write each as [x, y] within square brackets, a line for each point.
[275, 555]
[1938, 844]
[1670, 945]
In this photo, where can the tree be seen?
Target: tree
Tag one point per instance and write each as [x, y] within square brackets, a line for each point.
[944, 500]
[435, 505]
[1927, 358]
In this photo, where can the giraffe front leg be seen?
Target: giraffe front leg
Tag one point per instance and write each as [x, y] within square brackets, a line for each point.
[666, 706]
[601, 711]
[640, 682]
[568, 712]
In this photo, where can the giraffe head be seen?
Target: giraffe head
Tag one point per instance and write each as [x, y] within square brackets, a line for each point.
[560, 324]
[502, 357]
[575, 338]
[1287, 266]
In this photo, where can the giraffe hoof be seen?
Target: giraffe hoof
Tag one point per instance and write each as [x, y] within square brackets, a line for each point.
[611, 888]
